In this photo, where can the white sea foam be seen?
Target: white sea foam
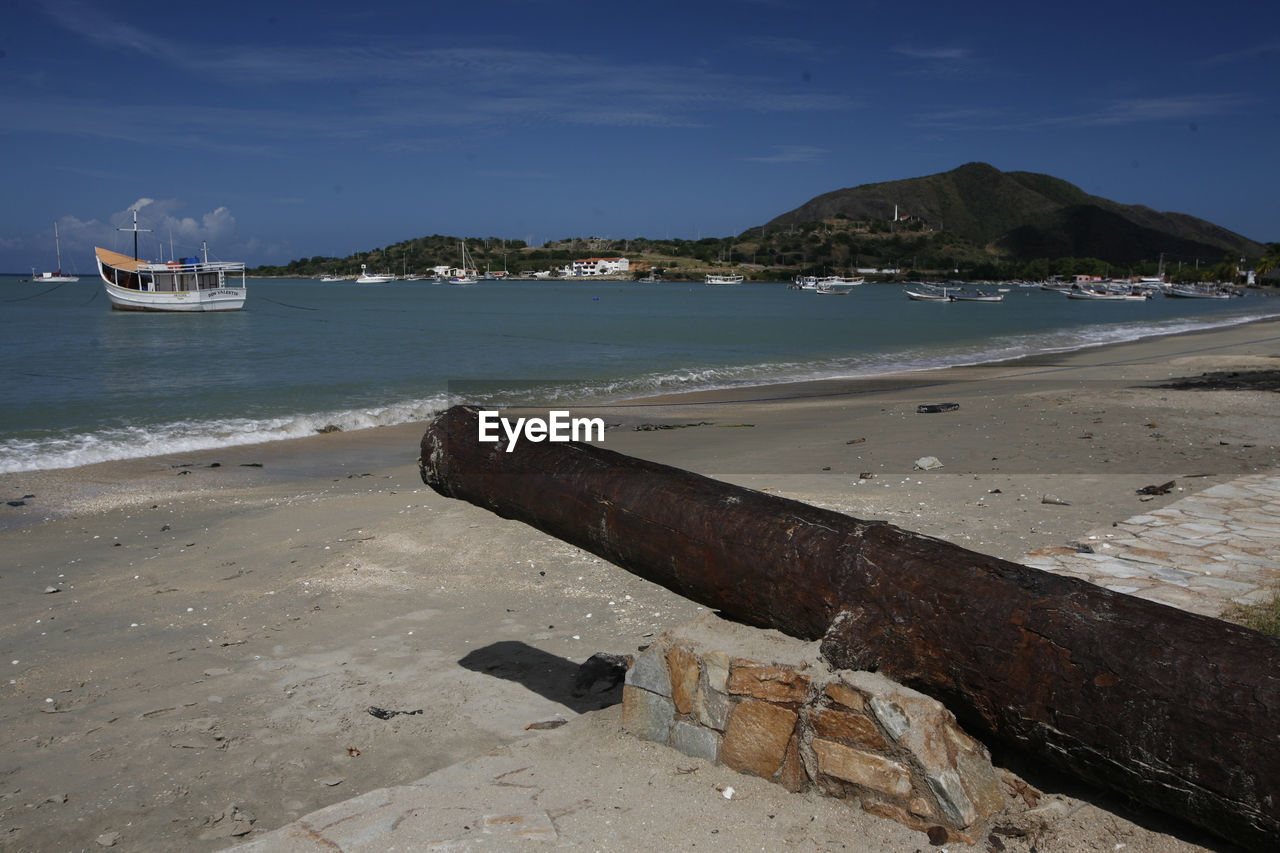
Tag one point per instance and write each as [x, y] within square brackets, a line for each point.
[26, 454]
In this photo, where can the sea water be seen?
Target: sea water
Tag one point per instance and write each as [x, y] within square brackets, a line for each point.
[82, 383]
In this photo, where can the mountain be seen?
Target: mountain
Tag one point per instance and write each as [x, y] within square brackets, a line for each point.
[1025, 215]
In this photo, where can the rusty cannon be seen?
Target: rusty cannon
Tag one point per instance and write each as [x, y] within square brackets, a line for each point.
[1175, 710]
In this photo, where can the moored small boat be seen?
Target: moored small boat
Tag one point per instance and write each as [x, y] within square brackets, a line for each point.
[59, 276]
[1198, 293]
[367, 277]
[1108, 295]
[712, 278]
[927, 293]
[975, 296]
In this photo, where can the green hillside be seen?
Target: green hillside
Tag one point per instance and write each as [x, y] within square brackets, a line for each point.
[1024, 215]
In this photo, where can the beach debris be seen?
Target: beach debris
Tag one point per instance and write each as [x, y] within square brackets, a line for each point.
[652, 427]
[353, 752]
[545, 724]
[601, 673]
[927, 463]
[108, 839]
[328, 428]
[726, 791]
[935, 408]
[232, 822]
[332, 781]
[1162, 489]
[50, 590]
[1054, 500]
[384, 714]
[855, 441]
[250, 464]
[16, 503]
[867, 475]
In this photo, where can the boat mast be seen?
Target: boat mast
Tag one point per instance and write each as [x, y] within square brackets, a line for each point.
[135, 229]
[57, 247]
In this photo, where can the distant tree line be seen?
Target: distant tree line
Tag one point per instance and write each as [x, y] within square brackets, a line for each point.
[836, 246]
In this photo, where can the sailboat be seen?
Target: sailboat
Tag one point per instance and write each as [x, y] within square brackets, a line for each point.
[58, 276]
[466, 274]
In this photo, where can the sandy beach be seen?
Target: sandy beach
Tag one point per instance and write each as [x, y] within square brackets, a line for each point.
[192, 644]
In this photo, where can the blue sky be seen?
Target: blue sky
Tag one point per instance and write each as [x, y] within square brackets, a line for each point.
[278, 130]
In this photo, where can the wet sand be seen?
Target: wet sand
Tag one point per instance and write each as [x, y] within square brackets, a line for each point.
[181, 637]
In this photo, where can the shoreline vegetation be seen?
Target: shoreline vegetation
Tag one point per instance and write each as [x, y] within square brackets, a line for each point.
[193, 642]
[877, 251]
[972, 223]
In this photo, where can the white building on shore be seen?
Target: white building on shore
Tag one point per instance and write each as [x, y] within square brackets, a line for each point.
[599, 266]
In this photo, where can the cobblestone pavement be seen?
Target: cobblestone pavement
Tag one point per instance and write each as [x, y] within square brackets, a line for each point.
[1204, 553]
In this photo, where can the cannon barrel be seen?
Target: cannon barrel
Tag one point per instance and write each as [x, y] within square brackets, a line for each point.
[1173, 709]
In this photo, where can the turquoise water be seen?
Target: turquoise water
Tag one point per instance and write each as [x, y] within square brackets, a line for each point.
[85, 384]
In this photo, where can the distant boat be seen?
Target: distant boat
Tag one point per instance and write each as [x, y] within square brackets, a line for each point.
[724, 279]
[928, 293]
[467, 273]
[833, 290]
[1198, 293]
[975, 296]
[331, 277]
[1107, 295]
[807, 282]
[367, 277]
[59, 276]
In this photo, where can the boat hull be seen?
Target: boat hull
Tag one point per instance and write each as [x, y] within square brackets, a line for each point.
[220, 299]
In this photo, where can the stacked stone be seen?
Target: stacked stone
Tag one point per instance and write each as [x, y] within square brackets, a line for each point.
[854, 735]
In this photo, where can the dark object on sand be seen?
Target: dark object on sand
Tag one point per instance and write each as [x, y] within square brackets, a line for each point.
[934, 408]
[601, 673]
[1227, 380]
[1162, 489]
[384, 714]
[1173, 709]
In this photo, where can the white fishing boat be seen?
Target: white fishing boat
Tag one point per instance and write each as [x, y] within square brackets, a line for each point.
[833, 290]
[713, 278]
[1198, 293]
[59, 276]
[975, 296]
[188, 285]
[927, 293]
[807, 282]
[330, 277]
[1097, 295]
[367, 277]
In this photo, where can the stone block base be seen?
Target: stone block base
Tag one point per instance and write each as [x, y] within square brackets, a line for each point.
[766, 704]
